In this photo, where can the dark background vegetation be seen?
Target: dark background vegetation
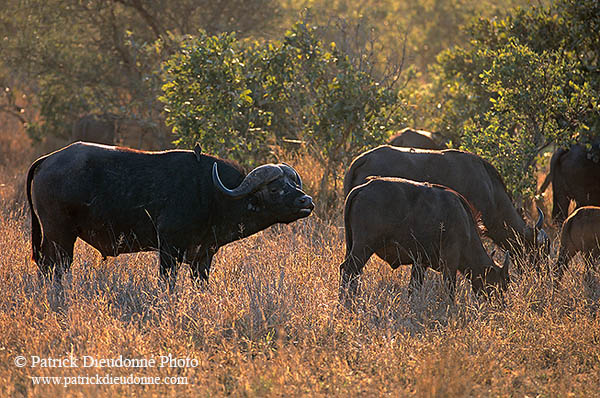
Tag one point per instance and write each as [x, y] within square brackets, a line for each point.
[247, 79]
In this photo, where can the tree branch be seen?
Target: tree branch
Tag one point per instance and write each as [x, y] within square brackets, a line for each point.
[149, 19]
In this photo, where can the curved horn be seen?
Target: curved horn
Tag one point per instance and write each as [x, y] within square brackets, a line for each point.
[540, 220]
[290, 171]
[257, 177]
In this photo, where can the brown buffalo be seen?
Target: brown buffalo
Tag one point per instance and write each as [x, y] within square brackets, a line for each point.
[468, 174]
[580, 234]
[414, 139]
[407, 222]
[178, 203]
[574, 176]
[113, 129]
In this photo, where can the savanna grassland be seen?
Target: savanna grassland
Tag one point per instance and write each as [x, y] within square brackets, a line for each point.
[269, 323]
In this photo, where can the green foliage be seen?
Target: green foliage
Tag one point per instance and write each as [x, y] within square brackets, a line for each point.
[512, 85]
[237, 98]
[207, 96]
[523, 83]
[73, 58]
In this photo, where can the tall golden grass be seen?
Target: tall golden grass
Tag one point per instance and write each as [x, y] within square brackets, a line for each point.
[269, 323]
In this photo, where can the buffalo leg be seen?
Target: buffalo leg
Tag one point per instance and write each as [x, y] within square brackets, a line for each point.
[449, 277]
[55, 257]
[168, 258]
[560, 203]
[417, 274]
[564, 257]
[200, 266]
[350, 271]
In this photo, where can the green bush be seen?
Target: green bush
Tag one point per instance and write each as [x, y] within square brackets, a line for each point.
[73, 58]
[524, 82]
[239, 98]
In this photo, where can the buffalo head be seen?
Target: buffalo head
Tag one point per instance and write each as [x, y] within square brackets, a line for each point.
[495, 278]
[274, 189]
[542, 239]
[538, 238]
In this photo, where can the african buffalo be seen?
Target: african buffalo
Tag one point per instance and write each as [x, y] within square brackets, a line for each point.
[408, 222]
[468, 174]
[175, 202]
[574, 176]
[414, 139]
[580, 233]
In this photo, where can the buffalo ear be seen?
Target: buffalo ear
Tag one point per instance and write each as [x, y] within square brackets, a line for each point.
[198, 151]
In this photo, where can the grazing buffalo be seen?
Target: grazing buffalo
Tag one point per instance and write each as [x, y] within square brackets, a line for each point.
[183, 204]
[574, 176]
[408, 222]
[112, 129]
[99, 129]
[468, 174]
[580, 233]
[414, 138]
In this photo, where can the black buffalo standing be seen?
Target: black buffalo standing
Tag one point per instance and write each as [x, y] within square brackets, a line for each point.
[574, 177]
[175, 202]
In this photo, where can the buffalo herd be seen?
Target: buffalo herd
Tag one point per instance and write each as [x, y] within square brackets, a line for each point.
[426, 207]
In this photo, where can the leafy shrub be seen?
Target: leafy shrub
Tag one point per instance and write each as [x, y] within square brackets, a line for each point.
[524, 82]
[239, 98]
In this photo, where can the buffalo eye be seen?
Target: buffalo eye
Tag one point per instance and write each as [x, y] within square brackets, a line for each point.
[276, 189]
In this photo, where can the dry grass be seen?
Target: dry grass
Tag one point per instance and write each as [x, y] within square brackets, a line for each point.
[269, 324]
